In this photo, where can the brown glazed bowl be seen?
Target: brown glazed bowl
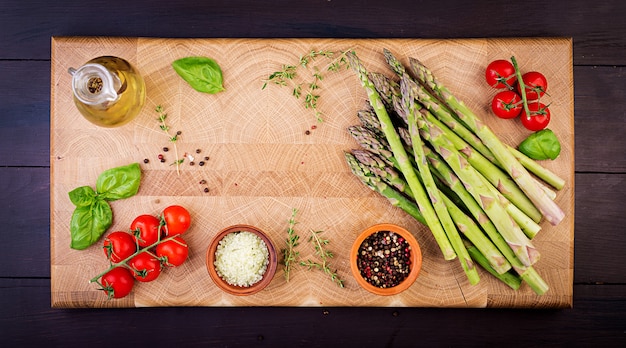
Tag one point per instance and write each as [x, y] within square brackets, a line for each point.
[241, 290]
[415, 260]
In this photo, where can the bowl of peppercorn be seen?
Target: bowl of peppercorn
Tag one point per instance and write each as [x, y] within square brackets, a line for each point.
[385, 259]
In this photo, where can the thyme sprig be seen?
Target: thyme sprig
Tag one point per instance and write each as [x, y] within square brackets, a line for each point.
[324, 255]
[172, 138]
[288, 75]
[290, 255]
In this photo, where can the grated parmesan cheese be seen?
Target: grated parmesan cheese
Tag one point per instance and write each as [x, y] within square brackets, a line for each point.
[241, 258]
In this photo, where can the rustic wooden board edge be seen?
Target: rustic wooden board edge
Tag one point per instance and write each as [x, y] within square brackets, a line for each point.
[565, 301]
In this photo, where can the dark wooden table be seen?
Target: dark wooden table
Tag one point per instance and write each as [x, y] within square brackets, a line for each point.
[598, 316]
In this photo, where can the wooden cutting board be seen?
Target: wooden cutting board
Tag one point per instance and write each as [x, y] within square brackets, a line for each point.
[268, 155]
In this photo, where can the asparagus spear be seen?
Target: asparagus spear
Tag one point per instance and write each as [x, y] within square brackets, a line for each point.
[510, 279]
[537, 169]
[374, 164]
[369, 120]
[376, 184]
[551, 211]
[401, 156]
[515, 238]
[441, 211]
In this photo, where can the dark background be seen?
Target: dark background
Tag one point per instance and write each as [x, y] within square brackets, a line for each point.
[598, 316]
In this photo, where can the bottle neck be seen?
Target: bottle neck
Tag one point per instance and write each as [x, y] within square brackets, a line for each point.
[93, 84]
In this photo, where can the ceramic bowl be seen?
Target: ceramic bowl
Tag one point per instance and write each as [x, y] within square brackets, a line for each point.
[241, 290]
[415, 260]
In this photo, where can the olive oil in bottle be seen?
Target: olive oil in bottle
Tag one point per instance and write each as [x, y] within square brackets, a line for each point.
[108, 91]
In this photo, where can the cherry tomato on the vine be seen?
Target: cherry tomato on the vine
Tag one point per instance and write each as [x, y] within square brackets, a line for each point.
[536, 85]
[176, 219]
[119, 245]
[118, 282]
[145, 229]
[539, 117]
[173, 252]
[145, 267]
[500, 74]
[507, 104]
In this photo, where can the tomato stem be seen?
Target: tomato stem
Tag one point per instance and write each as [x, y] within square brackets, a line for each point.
[522, 86]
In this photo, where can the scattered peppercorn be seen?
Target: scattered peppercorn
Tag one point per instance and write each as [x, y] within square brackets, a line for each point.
[206, 158]
[206, 189]
[202, 182]
[162, 160]
[191, 163]
[179, 133]
[165, 149]
[145, 160]
[198, 150]
[384, 259]
[201, 163]
[307, 132]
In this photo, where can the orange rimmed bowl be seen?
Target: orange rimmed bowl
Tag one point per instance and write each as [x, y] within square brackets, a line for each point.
[415, 259]
[234, 289]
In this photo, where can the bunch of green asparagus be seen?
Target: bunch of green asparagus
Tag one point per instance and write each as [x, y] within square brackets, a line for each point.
[430, 155]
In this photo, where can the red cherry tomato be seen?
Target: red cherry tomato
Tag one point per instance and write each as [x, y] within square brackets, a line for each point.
[536, 85]
[145, 229]
[119, 245]
[507, 104]
[176, 220]
[539, 117]
[117, 282]
[145, 267]
[173, 252]
[500, 74]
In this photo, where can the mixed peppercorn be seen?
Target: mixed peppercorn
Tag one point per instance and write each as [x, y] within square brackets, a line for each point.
[384, 259]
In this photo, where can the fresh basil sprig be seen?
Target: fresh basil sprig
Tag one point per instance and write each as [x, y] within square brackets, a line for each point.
[93, 214]
[203, 74]
[541, 145]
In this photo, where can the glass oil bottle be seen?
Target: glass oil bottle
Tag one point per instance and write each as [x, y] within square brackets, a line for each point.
[108, 91]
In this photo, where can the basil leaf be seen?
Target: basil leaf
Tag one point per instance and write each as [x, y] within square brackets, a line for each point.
[541, 145]
[89, 223]
[203, 74]
[82, 196]
[120, 182]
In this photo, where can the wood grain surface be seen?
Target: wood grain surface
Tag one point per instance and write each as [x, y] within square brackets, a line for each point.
[262, 164]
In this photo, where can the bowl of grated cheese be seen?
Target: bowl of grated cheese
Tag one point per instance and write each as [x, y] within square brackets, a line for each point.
[241, 260]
